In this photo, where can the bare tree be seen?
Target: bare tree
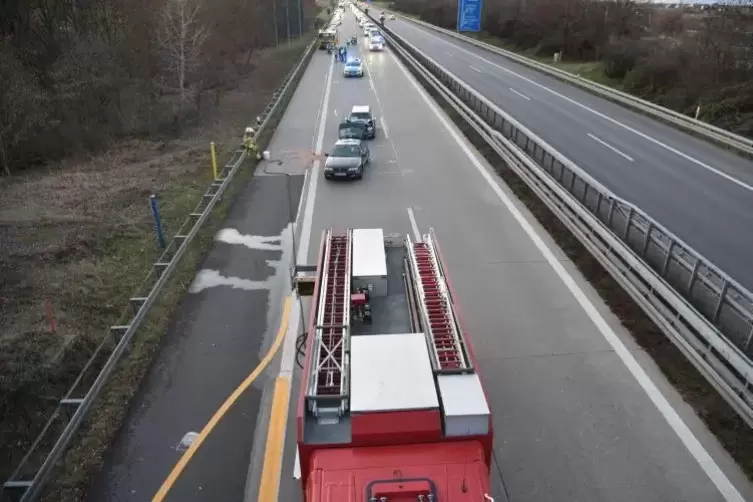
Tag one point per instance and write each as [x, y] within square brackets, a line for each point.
[181, 38]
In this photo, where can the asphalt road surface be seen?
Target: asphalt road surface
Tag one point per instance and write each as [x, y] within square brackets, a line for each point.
[571, 420]
[218, 337]
[700, 192]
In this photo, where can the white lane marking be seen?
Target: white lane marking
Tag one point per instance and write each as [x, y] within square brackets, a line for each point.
[645, 136]
[413, 224]
[335, 112]
[287, 358]
[615, 150]
[300, 204]
[474, 68]
[297, 465]
[520, 94]
[386, 129]
[696, 449]
[381, 110]
[450, 54]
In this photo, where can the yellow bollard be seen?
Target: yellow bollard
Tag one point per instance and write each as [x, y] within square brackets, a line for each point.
[214, 160]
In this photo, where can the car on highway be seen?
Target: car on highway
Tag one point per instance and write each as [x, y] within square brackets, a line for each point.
[348, 159]
[376, 43]
[362, 114]
[392, 17]
[368, 28]
[353, 68]
[326, 37]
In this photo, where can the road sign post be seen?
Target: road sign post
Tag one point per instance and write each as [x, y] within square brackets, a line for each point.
[469, 15]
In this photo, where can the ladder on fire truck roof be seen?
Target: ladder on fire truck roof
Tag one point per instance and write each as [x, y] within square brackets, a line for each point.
[328, 382]
[449, 354]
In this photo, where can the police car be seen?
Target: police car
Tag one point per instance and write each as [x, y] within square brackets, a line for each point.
[353, 68]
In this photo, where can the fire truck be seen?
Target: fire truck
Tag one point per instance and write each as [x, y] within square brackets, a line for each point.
[391, 407]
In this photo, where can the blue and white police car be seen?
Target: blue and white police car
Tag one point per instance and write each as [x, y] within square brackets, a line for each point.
[353, 68]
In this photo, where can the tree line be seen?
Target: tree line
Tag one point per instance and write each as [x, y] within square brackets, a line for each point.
[681, 57]
[76, 73]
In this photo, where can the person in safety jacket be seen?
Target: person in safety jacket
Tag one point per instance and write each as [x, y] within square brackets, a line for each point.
[249, 143]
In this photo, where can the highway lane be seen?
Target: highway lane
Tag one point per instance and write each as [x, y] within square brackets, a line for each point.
[571, 421]
[669, 174]
[218, 337]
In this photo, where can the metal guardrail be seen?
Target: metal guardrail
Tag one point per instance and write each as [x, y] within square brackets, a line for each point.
[711, 132]
[707, 314]
[27, 481]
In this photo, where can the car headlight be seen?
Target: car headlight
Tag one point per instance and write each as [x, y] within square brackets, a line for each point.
[352, 169]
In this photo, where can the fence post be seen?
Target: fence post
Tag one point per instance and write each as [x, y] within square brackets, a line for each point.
[213, 148]
[157, 220]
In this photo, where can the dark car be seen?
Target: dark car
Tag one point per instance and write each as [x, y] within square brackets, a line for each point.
[351, 130]
[347, 159]
[362, 114]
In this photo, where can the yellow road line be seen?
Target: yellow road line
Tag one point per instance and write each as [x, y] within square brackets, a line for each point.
[269, 487]
[229, 402]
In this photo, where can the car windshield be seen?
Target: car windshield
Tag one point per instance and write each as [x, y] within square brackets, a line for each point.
[346, 151]
[352, 63]
[360, 116]
[377, 39]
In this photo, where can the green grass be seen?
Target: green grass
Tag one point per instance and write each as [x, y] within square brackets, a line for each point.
[85, 459]
[95, 288]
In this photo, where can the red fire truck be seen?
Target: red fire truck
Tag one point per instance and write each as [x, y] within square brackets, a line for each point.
[391, 407]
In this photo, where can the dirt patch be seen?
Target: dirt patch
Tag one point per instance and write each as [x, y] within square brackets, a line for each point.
[733, 433]
[80, 233]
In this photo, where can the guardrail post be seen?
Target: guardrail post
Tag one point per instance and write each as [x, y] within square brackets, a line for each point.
[16, 489]
[693, 273]
[648, 238]
[628, 223]
[70, 406]
[598, 204]
[667, 260]
[117, 333]
[718, 309]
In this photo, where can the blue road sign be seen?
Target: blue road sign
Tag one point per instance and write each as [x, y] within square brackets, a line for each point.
[469, 15]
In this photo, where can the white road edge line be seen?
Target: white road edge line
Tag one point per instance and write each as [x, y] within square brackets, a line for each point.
[381, 112]
[606, 117]
[287, 359]
[386, 129]
[474, 68]
[615, 150]
[414, 225]
[520, 94]
[693, 445]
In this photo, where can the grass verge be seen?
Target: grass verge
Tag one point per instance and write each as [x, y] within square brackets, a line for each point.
[124, 257]
[732, 432]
